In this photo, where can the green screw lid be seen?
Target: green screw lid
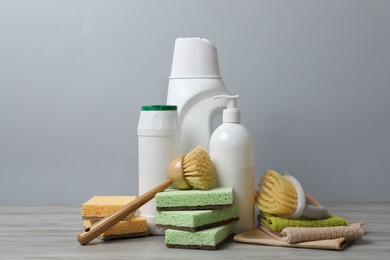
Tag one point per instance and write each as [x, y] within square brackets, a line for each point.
[158, 108]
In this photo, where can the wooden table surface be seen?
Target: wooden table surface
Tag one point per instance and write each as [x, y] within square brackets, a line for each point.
[49, 232]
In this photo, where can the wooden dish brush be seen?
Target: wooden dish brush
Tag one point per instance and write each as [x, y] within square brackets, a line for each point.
[284, 196]
[194, 169]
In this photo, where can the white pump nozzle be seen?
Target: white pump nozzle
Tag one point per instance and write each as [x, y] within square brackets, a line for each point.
[231, 114]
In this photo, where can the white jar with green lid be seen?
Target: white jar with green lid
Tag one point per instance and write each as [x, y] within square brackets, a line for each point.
[158, 144]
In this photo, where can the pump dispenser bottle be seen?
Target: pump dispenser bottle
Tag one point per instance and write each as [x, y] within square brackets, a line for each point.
[194, 80]
[231, 150]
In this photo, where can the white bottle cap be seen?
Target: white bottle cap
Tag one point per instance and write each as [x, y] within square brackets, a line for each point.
[231, 114]
[194, 58]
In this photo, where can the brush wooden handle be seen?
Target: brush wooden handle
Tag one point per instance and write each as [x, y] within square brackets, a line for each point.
[314, 209]
[311, 200]
[99, 227]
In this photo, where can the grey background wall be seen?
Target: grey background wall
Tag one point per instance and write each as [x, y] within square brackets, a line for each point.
[313, 79]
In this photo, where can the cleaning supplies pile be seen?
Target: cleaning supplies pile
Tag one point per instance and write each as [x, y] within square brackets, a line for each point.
[194, 169]
[185, 121]
[199, 218]
[196, 95]
[290, 217]
[196, 219]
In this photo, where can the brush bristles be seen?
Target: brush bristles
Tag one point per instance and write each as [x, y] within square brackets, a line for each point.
[198, 169]
[277, 195]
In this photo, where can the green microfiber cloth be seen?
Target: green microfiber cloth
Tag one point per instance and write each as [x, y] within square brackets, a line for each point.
[277, 223]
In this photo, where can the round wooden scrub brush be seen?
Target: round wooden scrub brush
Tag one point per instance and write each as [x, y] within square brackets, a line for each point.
[194, 169]
[284, 196]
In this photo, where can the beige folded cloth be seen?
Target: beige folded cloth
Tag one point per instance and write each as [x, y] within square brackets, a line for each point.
[294, 235]
[264, 236]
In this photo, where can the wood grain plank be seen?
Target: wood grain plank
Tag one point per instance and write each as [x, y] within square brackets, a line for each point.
[49, 232]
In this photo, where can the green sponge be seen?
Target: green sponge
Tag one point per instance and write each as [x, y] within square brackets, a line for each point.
[197, 219]
[173, 199]
[206, 239]
[277, 223]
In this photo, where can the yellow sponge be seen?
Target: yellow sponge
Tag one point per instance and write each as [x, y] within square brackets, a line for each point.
[133, 227]
[102, 206]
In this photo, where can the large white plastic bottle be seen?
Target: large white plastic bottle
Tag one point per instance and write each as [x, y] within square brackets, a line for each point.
[195, 78]
[231, 150]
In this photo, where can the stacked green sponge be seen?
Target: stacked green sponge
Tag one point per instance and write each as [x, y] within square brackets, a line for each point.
[197, 219]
